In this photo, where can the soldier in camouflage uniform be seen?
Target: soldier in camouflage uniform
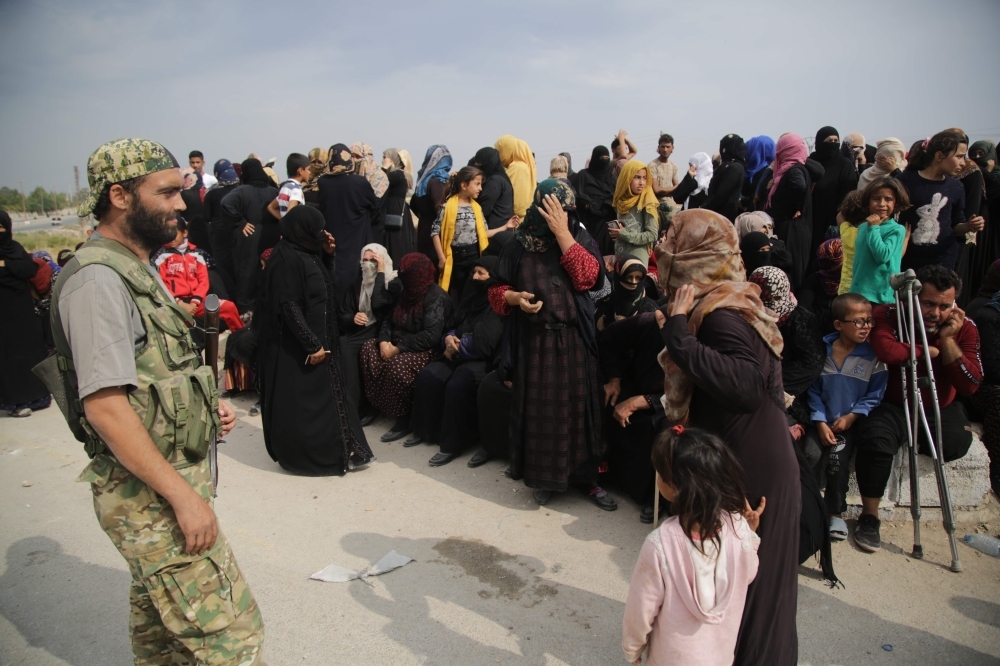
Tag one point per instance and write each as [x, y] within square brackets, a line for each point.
[134, 391]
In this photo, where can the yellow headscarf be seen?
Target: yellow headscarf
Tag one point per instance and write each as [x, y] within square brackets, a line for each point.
[624, 200]
[517, 159]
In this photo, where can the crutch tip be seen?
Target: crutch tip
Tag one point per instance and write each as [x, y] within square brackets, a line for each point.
[918, 553]
[956, 566]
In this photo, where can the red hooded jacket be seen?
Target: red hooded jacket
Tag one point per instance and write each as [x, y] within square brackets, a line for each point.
[184, 271]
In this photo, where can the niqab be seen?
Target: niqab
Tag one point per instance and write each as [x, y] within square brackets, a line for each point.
[254, 174]
[789, 151]
[417, 274]
[760, 154]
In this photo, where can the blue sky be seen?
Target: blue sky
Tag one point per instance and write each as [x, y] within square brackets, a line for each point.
[230, 78]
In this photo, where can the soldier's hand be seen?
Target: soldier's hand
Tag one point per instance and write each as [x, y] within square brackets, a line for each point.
[228, 418]
[197, 521]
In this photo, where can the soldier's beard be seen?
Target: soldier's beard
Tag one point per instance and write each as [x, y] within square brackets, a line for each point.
[147, 228]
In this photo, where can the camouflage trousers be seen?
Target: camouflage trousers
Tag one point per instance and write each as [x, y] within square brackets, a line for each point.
[191, 610]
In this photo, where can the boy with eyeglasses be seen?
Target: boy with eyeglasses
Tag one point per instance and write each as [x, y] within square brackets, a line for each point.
[953, 345]
[850, 387]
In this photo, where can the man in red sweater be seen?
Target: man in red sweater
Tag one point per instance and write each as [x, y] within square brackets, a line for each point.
[954, 350]
[183, 268]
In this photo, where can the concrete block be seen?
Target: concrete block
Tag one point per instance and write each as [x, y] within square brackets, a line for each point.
[968, 482]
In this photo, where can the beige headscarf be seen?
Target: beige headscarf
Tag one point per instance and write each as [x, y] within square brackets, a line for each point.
[702, 249]
[404, 156]
[755, 220]
[365, 165]
[890, 147]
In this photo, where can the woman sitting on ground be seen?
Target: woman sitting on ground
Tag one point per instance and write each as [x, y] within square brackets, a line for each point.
[407, 341]
[363, 307]
[444, 403]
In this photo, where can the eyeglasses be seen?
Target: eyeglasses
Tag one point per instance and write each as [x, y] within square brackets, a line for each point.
[860, 323]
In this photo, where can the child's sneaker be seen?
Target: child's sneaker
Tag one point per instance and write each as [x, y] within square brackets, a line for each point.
[866, 535]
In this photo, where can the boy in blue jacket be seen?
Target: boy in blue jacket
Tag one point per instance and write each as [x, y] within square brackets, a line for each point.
[851, 385]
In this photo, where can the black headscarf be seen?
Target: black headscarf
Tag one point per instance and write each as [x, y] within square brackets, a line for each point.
[733, 148]
[627, 297]
[826, 151]
[497, 242]
[751, 251]
[7, 235]
[253, 173]
[303, 227]
[475, 300]
[600, 161]
[488, 161]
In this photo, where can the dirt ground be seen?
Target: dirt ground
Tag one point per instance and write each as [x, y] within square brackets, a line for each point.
[496, 579]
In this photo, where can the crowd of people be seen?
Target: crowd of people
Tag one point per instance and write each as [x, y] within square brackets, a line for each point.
[728, 325]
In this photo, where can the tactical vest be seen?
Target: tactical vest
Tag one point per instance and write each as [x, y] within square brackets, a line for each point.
[177, 397]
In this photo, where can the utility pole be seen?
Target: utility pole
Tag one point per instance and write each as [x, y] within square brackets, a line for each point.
[76, 182]
[24, 206]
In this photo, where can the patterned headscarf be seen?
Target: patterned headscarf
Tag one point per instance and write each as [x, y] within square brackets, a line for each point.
[317, 164]
[417, 274]
[775, 291]
[701, 249]
[533, 232]
[791, 150]
[437, 164]
[830, 256]
[339, 161]
[624, 200]
[756, 220]
[365, 165]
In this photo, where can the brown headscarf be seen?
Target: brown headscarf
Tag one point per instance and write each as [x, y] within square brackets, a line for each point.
[702, 249]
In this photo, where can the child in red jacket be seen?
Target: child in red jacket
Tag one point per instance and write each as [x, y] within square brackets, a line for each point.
[183, 268]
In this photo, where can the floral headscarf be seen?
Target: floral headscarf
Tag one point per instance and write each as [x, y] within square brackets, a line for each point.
[365, 165]
[830, 256]
[701, 249]
[339, 161]
[775, 291]
[533, 232]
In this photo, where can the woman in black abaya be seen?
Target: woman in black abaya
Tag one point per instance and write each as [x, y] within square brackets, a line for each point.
[790, 204]
[22, 346]
[242, 211]
[595, 198]
[727, 182]
[722, 367]
[348, 204]
[310, 427]
[403, 240]
[840, 176]
[444, 396]
[497, 196]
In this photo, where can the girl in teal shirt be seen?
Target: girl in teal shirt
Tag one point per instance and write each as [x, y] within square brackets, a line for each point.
[881, 240]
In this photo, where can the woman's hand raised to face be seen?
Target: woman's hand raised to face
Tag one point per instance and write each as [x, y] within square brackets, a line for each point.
[682, 301]
[552, 212]
[329, 245]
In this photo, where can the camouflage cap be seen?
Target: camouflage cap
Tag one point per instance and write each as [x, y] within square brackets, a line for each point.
[121, 160]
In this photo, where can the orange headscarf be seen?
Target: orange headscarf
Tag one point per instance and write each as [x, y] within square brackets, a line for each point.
[702, 249]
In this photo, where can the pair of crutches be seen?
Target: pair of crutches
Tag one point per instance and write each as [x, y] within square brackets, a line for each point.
[910, 325]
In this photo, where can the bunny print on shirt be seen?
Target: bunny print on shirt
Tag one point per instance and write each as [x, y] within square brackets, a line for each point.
[928, 226]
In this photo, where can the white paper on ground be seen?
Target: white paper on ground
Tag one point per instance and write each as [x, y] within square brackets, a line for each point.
[337, 574]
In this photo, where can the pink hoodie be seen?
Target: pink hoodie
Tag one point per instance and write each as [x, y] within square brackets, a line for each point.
[685, 606]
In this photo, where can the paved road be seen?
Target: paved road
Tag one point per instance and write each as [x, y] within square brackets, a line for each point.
[45, 224]
[497, 579]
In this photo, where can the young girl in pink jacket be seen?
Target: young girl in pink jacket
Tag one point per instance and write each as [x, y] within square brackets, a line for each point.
[690, 584]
